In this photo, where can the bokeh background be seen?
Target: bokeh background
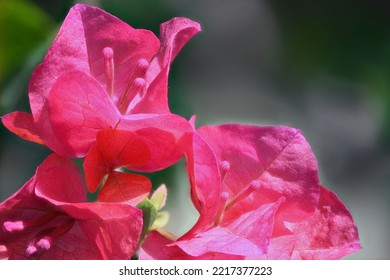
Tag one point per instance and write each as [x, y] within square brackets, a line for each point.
[322, 66]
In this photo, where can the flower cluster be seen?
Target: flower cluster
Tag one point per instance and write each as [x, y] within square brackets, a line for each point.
[101, 94]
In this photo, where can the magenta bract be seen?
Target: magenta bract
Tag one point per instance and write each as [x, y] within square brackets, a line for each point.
[100, 73]
[258, 196]
[49, 218]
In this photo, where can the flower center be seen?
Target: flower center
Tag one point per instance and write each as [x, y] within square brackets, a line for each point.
[135, 86]
[42, 231]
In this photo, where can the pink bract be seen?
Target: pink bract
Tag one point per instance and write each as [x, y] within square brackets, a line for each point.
[101, 73]
[140, 148]
[258, 195]
[49, 218]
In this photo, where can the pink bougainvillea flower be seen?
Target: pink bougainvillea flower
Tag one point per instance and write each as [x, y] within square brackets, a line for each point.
[101, 73]
[211, 238]
[49, 218]
[258, 186]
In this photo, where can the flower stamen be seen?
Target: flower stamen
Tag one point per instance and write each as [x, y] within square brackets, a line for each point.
[44, 230]
[16, 226]
[31, 250]
[253, 186]
[224, 167]
[45, 242]
[135, 86]
[13, 226]
[109, 69]
[221, 208]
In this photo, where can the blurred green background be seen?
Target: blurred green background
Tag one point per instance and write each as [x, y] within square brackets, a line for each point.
[321, 66]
